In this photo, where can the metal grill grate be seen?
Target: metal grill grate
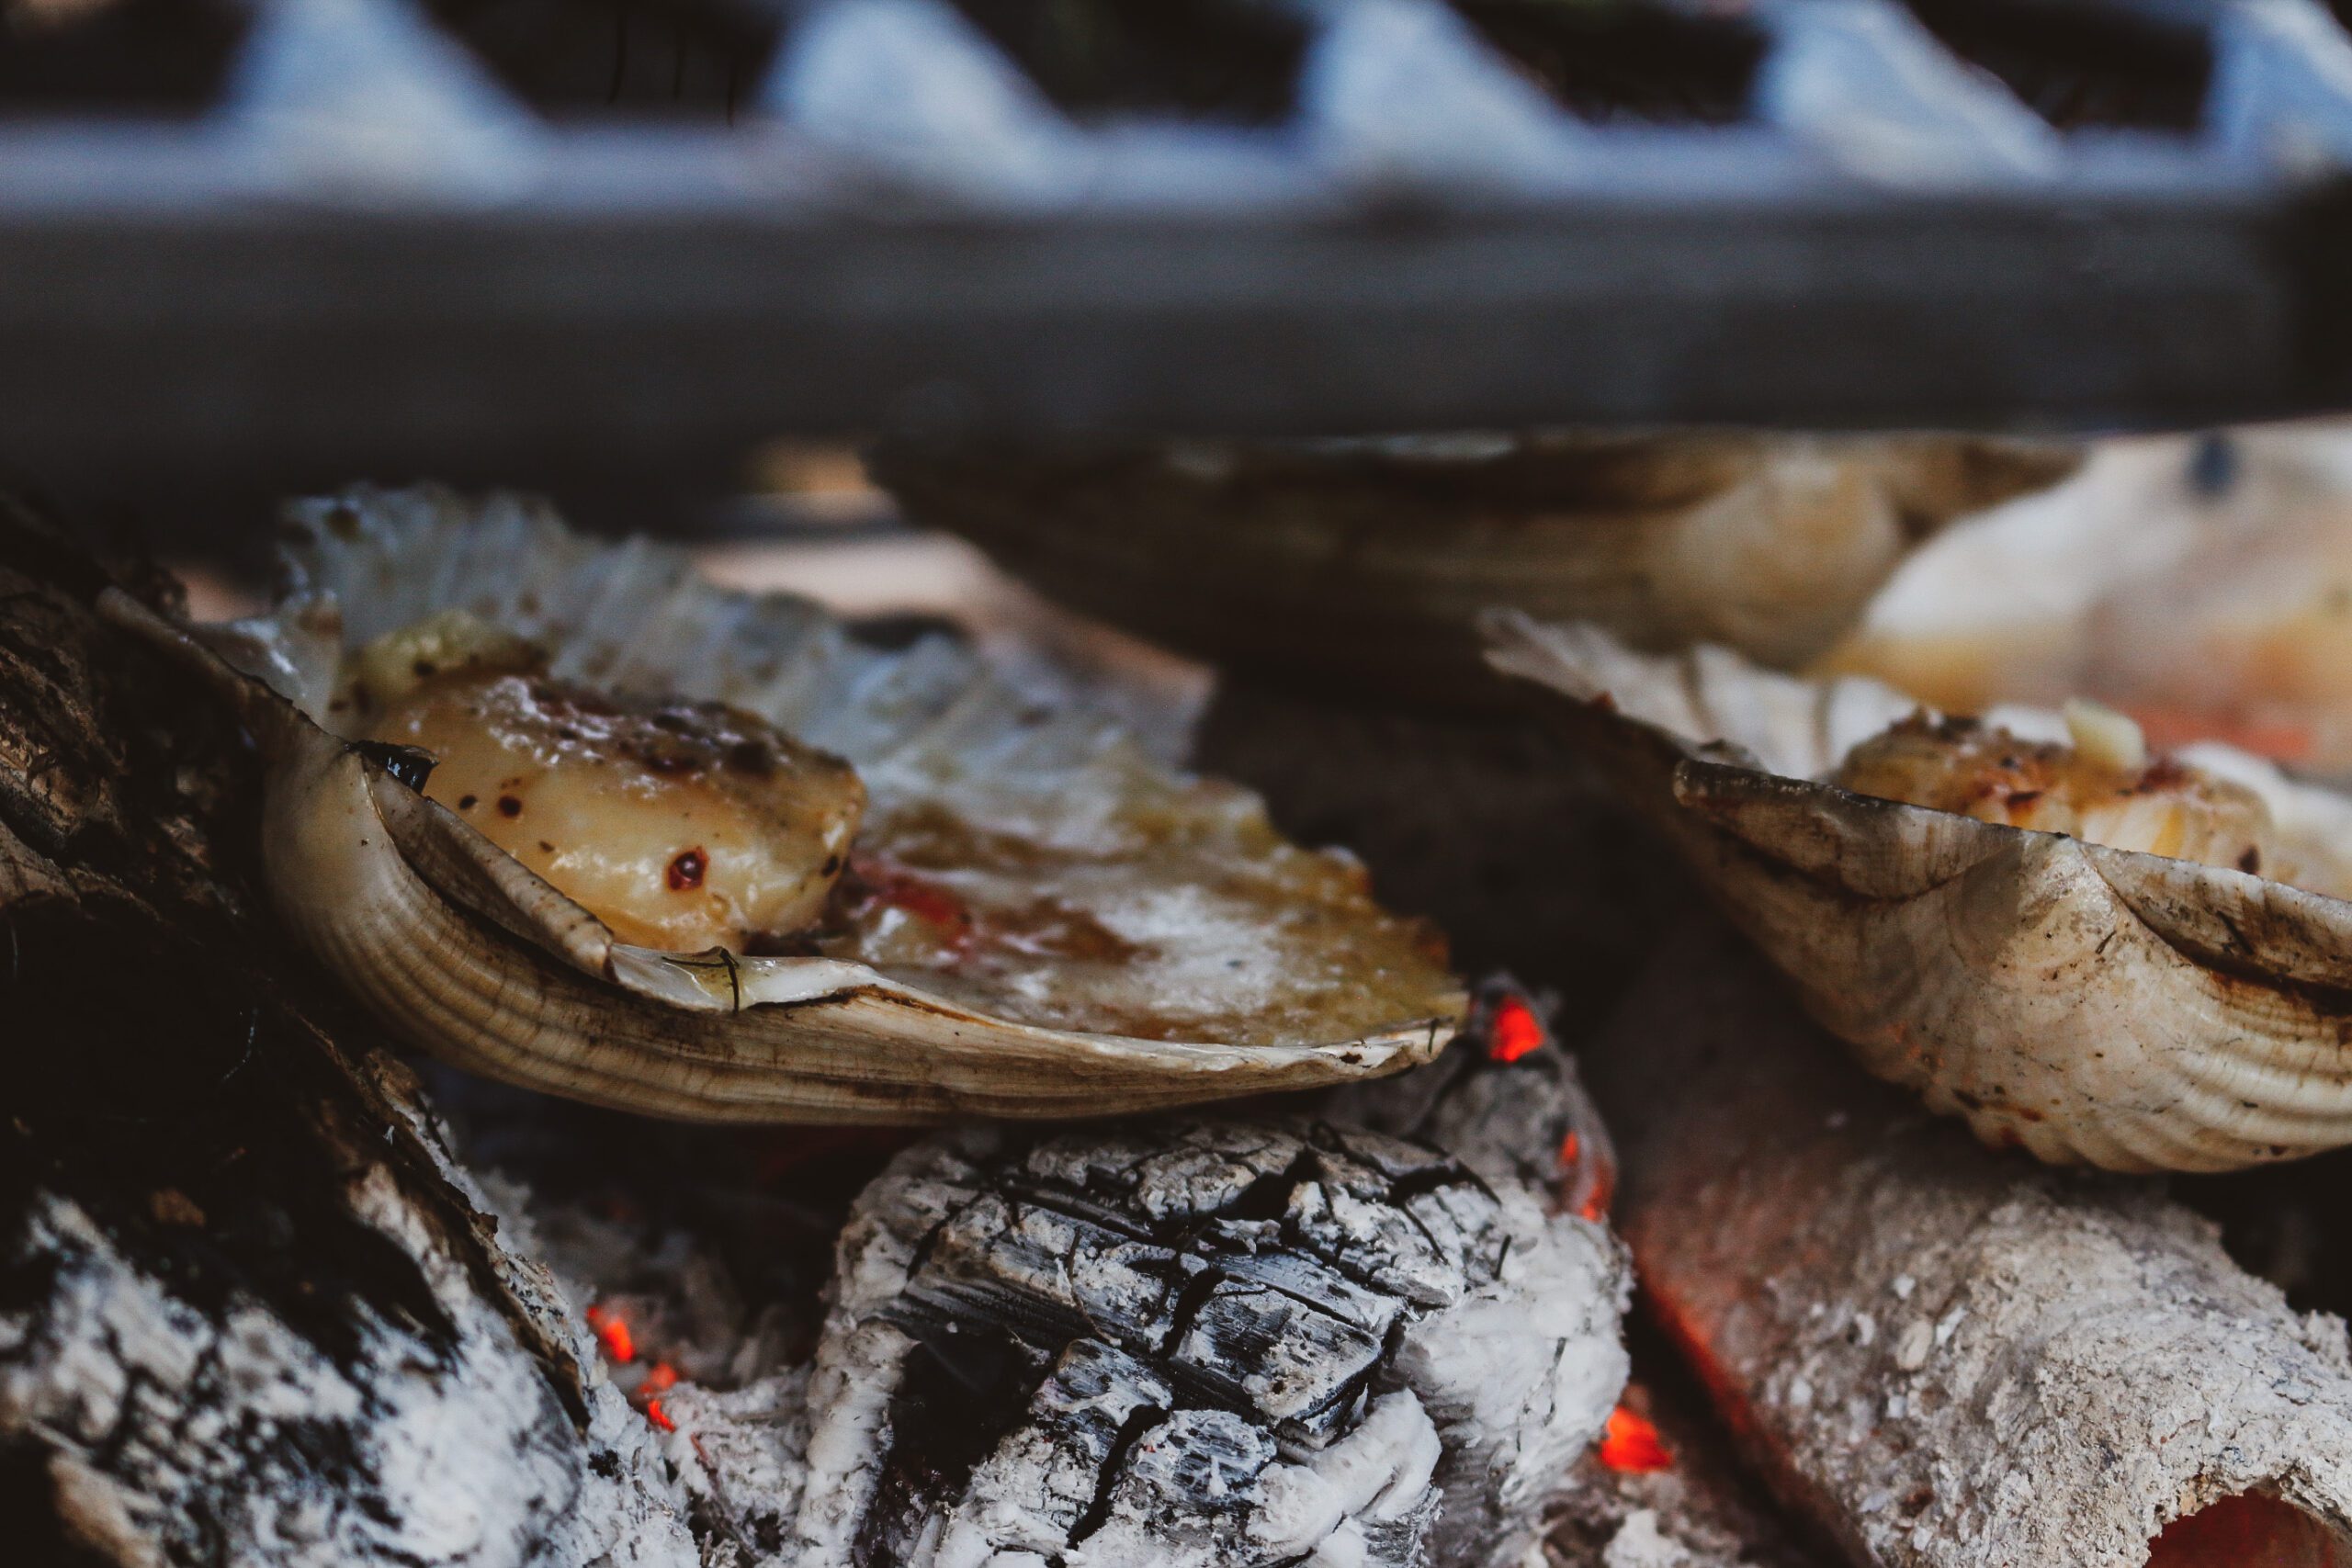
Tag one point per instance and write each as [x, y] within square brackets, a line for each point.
[2084, 66]
[1647, 63]
[587, 59]
[505, 233]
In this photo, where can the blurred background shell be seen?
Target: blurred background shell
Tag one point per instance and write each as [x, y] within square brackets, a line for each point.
[2087, 1003]
[1356, 566]
[2202, 584]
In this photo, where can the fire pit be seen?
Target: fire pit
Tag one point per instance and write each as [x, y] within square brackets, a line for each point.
[521, 1055]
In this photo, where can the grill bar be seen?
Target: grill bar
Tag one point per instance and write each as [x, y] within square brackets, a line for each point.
[379, 243]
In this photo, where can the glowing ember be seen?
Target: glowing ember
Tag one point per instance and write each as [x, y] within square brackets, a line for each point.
[1516, 1031]
[2247, 1529]
[1587, 1184]
[611, 1332]
[1596, 1201]
[1630, 1445]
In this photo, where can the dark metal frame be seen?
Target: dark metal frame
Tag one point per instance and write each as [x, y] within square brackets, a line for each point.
[210, 301]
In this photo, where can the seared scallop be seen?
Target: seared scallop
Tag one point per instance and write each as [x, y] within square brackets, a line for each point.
[2086, 952]
[2102, 793]
[681, 825]
[710, 855]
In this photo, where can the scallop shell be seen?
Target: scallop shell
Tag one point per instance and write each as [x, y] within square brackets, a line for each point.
[1239, 983]
[1360, 566]
[2082, 1003]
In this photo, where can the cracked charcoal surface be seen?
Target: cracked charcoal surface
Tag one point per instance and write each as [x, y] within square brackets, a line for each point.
[1201, 1342]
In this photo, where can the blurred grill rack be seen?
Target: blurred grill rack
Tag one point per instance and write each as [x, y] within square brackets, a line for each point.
[323, 236]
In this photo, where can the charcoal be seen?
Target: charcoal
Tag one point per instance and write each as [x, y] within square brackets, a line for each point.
[1202, 1342]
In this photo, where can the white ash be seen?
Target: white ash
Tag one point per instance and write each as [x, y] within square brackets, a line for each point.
[1949, 1358]
[711, 1246]
[1200, 1342]
[179, 1433]
[737, 1434]
[742, 1454]
[1639, 1544]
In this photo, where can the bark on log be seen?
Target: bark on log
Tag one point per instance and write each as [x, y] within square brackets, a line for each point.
[1946, 1357]
[250, 1309]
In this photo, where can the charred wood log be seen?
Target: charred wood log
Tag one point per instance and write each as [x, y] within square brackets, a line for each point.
[1941, 1355]
[1211, 1342]
[986, 1424]
[250, 1309]
[1174, 1341]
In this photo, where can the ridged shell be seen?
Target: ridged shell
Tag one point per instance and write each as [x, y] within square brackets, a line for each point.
[466, 954]
[1360, 566]
[2082, 1003]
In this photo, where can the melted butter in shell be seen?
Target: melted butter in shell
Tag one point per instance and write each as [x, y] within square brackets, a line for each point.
[682, 825]
[1181, 915]
[2090, 793]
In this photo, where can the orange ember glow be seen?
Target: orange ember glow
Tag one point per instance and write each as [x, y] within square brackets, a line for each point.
[659, 1416]
[1631, 1445]
[2248, 1529]
[1601, 1182]
[611, 1332]
[662, 1377]
[1516, 1031]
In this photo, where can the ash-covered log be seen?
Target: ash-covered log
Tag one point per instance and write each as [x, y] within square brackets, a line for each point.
[1943, 1356]
[250, 1310]
[1203, 1342]
[1351, 1335]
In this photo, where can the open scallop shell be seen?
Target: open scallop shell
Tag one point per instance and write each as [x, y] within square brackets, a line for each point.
[2084, 1002]
[1360, 566]
[1268, 969]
